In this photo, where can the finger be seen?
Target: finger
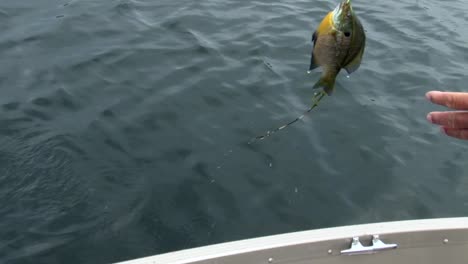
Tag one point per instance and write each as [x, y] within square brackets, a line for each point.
[456, 133]
[458, 101]
[451, 119]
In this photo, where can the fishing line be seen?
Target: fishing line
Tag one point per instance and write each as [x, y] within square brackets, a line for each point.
[317, 97]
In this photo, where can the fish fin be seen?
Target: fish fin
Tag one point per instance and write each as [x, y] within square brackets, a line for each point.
[327, 83]
[314, 37]
[313, 65]
[355, 63]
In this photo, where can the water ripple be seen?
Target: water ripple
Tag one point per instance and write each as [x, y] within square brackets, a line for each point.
[124, 124]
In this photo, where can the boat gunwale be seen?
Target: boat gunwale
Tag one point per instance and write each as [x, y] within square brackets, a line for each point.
[303, 237]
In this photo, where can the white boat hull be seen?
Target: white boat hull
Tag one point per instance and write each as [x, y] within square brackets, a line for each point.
[417, 241]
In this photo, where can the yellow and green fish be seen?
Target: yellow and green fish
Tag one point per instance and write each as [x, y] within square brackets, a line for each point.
[338, 43]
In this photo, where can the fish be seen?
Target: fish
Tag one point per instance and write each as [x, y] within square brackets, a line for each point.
[338, 42]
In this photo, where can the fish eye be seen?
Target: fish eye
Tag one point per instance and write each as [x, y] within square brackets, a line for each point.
[347, 34]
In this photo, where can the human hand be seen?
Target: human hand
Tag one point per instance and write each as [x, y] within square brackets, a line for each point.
[453, 123]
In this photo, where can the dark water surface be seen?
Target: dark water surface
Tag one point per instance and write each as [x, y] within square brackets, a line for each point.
[123, 124]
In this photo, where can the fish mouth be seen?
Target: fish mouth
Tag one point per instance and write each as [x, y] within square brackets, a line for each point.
[346, 2]
[345, 8]
[343, 12]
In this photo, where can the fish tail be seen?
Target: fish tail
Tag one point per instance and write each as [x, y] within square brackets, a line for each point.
[327, 83]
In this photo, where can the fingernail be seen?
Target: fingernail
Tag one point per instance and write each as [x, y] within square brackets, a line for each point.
[443, 130]
[429, 118]
[428, 96]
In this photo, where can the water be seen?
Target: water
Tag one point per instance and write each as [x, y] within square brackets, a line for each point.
[123, 124]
